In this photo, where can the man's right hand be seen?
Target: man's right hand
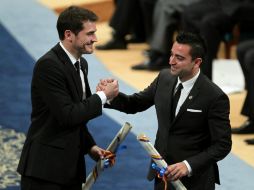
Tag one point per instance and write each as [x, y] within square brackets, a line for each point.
[109, 87]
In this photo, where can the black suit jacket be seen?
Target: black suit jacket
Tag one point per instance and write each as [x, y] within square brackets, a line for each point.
[200, 133]
[58, 137]
[229, 7]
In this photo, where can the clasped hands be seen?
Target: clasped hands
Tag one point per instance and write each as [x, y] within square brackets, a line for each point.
[109, 87]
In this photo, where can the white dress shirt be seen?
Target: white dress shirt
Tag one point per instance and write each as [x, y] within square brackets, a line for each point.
[101, 94]
[187, 86]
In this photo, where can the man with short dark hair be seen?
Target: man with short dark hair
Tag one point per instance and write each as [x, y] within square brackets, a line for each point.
[193, 132]
[53, 154]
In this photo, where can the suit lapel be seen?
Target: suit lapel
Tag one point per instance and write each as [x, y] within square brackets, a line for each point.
[170, 91]
[191, 97]
[70, 68]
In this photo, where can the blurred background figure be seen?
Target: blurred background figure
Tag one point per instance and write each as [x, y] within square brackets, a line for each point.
[132, 17]
[213, 20]
[245, 55]
[166, 21]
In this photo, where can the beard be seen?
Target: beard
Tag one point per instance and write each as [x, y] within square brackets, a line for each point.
[87, 48]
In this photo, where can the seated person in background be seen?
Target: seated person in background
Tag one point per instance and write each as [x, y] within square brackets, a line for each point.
[166, 19]
[245, 54]
[212, 19]
[130, 17]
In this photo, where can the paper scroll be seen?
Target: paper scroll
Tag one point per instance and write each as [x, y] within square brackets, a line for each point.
[118, 139]
[160, 162]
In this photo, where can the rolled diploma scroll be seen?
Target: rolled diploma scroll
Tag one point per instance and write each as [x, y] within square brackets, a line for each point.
[156, 157]
[99, 167]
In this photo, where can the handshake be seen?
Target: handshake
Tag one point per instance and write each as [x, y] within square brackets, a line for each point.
[109, 87]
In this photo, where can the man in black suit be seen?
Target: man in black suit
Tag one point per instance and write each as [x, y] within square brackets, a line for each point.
[53, 154]
[196, 134]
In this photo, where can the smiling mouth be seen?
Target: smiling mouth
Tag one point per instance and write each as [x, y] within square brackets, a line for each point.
[173, 68]
[91, 45]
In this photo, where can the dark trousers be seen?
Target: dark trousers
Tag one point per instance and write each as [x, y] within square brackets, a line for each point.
[31, 183]
[132, 16]
[245, 54]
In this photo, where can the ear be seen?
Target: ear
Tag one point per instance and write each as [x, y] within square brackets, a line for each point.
[68, 35]
[197, 62]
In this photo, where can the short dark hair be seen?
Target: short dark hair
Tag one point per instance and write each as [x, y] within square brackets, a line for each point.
[72, 19]
[197, 43]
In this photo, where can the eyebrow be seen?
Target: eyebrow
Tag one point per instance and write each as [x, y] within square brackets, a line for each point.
[91, 32]
[177, 55]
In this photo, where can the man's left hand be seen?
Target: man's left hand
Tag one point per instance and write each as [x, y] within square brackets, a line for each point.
[176, 171]
[98, 153]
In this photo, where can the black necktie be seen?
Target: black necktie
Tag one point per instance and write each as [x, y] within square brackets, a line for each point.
[176, 98]
[77, 66]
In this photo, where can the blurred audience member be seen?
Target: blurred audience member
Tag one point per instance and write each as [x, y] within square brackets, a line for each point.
[245, 54]
[212, 19]
[130, 17]
[166, 19]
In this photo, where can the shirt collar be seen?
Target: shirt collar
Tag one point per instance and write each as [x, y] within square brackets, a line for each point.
[189, 83]
[71, 57]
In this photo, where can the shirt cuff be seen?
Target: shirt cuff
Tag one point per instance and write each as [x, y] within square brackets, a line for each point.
[188, 167]
[102, 96]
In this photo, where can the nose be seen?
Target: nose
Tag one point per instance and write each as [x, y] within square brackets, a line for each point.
[94, 38]
[171, 60]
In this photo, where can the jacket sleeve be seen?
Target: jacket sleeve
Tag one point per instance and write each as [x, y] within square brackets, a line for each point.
[136, 102]
[220, 136]
[56, 91]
